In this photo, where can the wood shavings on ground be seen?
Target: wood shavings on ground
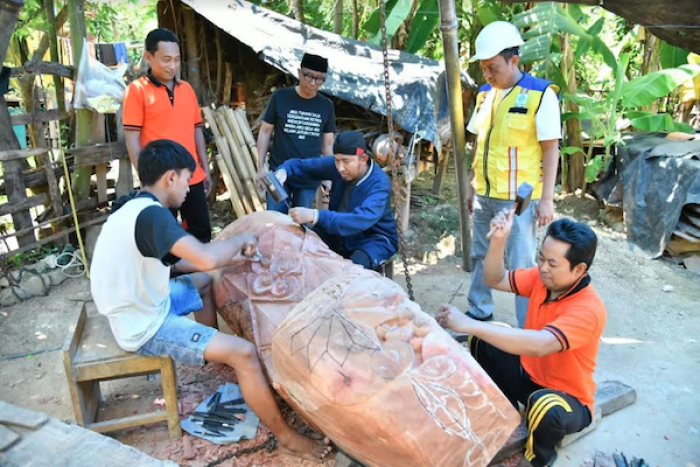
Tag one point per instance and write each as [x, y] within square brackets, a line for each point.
[194, 385]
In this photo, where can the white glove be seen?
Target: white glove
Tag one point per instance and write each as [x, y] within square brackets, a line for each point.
[281, 175]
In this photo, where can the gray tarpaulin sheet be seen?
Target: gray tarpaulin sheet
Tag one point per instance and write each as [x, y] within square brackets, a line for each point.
[653, 178]
[356, 73]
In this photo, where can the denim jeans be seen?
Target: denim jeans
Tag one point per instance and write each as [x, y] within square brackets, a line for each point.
[520, 253]
[299, 197]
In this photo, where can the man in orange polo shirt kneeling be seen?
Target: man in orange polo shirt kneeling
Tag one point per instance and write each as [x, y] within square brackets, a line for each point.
[547, 366]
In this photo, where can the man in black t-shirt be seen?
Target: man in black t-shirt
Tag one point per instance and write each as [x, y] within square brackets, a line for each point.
[301, 123]
[139, 246]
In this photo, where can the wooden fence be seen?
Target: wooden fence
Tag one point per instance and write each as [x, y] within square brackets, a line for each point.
[44, 182]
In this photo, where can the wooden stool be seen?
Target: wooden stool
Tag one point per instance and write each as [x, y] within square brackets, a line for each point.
[91, 355]
[386, 268]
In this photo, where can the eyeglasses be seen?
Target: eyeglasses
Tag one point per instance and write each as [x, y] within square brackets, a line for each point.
[311, 79]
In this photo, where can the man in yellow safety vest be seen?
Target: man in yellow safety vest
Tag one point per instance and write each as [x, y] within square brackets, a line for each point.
[518, 127]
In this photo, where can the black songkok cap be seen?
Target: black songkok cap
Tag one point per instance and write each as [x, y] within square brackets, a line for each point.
[315, 63]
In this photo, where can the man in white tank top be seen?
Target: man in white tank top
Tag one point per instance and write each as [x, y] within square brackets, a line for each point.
[139, 246]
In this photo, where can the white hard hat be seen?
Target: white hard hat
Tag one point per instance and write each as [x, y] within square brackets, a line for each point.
[495, 38]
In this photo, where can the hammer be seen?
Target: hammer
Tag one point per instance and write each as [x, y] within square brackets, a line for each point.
[522, 201]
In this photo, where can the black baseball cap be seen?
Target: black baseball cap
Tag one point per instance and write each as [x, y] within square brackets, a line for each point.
[349, 143]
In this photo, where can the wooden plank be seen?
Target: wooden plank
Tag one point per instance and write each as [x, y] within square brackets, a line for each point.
[71, 343]
[17, 154]
[97, 342]
[7, 438]
[692, 219]
[96, 154]
[43, 68]
[101, 176]
[41, 117]
[17, 416]
[54, 191]
[23, 205]
[167, 376]
[611, 396]
[686, 236]
[130, 365]
[16, 195]
[53, 237]
[127, 422]
[688, 228]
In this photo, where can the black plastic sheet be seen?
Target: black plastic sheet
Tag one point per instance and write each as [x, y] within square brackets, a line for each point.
[652, 178]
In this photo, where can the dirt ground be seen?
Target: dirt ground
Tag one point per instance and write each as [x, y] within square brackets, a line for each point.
[650, 343]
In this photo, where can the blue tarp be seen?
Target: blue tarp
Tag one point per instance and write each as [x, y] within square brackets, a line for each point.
[356, 73]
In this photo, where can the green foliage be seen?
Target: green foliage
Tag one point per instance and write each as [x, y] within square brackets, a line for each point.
[423, 25]
[644, 90]
[647, 121]
[671, 56]
[396, 13]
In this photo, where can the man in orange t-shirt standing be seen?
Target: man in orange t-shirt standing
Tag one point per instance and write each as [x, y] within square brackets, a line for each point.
[160, 106]
[548, 366]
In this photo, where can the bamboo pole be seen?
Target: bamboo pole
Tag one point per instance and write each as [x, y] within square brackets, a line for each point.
[242, 143]
[236, 177]
[448, 27]
[247, 134]
[251, 143]
[239, 166]
[233, 184]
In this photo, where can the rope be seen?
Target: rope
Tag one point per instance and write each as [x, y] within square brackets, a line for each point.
[393, 160]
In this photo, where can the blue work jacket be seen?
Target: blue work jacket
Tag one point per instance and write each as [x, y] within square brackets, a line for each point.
[369, 216]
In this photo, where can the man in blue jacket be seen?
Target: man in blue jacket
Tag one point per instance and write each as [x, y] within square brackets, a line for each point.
[359, 223]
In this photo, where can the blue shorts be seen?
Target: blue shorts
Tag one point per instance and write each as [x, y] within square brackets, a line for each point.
[180, 338]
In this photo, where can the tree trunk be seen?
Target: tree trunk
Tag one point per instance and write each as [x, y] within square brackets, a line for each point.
[338, 18]
[298, 8]
[192, 64]
[575, 162]
[652, 49]
[14, 181]
[355, 20]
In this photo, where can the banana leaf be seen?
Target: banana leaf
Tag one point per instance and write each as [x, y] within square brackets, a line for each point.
[422, 25]
[671, 56]
[646, 89]
[394, 17]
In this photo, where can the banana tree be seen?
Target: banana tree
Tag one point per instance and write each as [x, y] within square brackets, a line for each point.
[622, 100]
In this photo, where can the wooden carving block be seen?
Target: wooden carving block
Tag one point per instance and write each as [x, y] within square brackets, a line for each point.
[356, 358]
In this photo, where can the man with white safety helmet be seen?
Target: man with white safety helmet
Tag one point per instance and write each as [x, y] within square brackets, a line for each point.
[518, 127]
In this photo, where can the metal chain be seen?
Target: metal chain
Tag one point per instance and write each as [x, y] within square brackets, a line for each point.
[393, 160]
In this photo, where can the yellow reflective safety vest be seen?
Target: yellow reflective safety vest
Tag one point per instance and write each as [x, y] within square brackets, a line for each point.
[508, 152]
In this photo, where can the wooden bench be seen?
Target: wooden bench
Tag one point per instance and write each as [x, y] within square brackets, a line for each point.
[91, 355]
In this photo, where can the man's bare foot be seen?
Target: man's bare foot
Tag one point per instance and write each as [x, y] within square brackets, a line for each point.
[305, 448]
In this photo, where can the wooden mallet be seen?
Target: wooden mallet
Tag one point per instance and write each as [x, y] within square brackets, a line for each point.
[522, 201]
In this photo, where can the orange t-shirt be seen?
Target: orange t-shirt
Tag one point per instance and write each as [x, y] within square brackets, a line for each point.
[577, 318]
[150, 108]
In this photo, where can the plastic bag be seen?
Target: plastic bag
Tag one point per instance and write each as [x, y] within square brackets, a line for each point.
[98, 87]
